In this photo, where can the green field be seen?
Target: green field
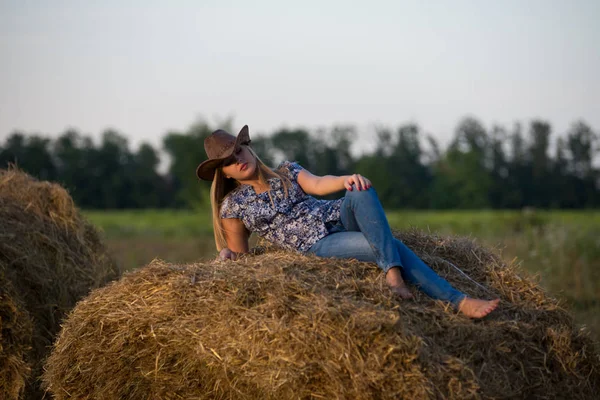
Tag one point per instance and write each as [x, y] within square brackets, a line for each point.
[562, 249]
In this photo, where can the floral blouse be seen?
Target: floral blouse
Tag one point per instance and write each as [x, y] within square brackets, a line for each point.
[295, 223]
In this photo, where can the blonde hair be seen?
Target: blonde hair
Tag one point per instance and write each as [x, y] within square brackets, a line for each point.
[222, 186]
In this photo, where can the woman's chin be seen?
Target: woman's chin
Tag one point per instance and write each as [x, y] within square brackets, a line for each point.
[245, 175]
[250, 172]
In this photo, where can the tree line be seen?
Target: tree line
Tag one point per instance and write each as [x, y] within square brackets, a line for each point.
[498, 168]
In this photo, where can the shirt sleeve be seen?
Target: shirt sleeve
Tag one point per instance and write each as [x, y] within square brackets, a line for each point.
[291, 169]
[230, 208]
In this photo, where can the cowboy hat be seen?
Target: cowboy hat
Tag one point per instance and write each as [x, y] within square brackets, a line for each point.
[219, 146]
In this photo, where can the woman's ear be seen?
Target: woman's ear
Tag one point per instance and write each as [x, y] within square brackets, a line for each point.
[223, 173]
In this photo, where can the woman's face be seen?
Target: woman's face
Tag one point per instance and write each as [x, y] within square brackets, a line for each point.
[241, 165]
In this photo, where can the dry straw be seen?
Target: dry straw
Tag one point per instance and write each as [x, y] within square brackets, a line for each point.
[15, 342]
[50, 257]
[285, 326]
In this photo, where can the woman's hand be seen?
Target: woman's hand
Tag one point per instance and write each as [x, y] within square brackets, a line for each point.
[324, 185]
[358, 180]
[226, 254]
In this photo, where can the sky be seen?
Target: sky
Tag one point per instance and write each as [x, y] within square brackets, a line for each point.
[149, 67]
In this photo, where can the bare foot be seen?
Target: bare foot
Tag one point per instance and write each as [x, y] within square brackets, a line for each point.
[475, 308]
[397, 285]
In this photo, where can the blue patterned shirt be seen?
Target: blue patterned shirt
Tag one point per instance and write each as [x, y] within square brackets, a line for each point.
[295, 223]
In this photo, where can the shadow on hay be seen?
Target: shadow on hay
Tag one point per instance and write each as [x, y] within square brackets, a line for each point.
[15, 342]
[50, 257]
[282, 326]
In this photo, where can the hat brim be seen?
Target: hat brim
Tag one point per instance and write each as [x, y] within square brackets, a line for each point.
[206, 170]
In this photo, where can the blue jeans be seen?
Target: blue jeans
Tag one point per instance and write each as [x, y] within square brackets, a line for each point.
[363, 233]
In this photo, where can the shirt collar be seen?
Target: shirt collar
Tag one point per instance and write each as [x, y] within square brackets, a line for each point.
[248, 190]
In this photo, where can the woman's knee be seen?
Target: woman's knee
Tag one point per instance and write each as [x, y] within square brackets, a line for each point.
[361, 198]
[355, 192]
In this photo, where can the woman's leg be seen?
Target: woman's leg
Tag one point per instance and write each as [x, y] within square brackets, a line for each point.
[416, 272]
[355, 245]
[362, 211]
[368, 237]
[344, 245]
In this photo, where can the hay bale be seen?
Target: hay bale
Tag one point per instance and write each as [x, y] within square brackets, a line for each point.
[284, 326]
[50, 256]
[15, 342]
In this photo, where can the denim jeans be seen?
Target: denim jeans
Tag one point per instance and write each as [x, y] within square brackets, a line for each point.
[363, 233]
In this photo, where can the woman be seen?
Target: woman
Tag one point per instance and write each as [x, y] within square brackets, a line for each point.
[247, 196]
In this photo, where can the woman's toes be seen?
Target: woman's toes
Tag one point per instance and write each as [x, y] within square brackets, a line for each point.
[475, 308]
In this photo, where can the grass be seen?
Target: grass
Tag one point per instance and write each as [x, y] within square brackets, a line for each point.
[153, 223]
[561, 247]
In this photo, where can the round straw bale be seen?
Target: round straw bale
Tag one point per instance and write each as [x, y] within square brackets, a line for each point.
[15, 342]
[285, 326]
[50, 256]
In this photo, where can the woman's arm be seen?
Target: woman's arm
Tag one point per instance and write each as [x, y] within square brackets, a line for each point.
[236, 236]
[324, 185]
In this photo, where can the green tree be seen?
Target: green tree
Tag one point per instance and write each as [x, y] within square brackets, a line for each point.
[150, 189]
[331, 150]
[562, 181]
[462, 179]
[186, 152]
[499, 194]
[30, 153]
[582, 147]
[295, 145]
[112, 164]
[376, 167]
[518, 170]
[71, 153]
[263, 147]
[397, 170]
[537, 192]
[413, 177]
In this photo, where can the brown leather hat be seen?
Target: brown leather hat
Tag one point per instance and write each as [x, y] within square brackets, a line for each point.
[218, 146]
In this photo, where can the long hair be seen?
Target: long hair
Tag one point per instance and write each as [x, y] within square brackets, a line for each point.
[222, 186]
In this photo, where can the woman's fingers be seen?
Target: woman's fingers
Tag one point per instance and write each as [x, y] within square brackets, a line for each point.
[226, 254]
[351, 181]
[363, 182]
[357, 180]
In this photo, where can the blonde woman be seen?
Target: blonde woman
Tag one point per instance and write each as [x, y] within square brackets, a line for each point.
[248, 197]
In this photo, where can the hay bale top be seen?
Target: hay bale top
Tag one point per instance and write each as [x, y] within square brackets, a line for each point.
[45, 239]
[283, 326]
[40, 197]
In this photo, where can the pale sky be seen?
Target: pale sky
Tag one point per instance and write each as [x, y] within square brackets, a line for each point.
[146, 67]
